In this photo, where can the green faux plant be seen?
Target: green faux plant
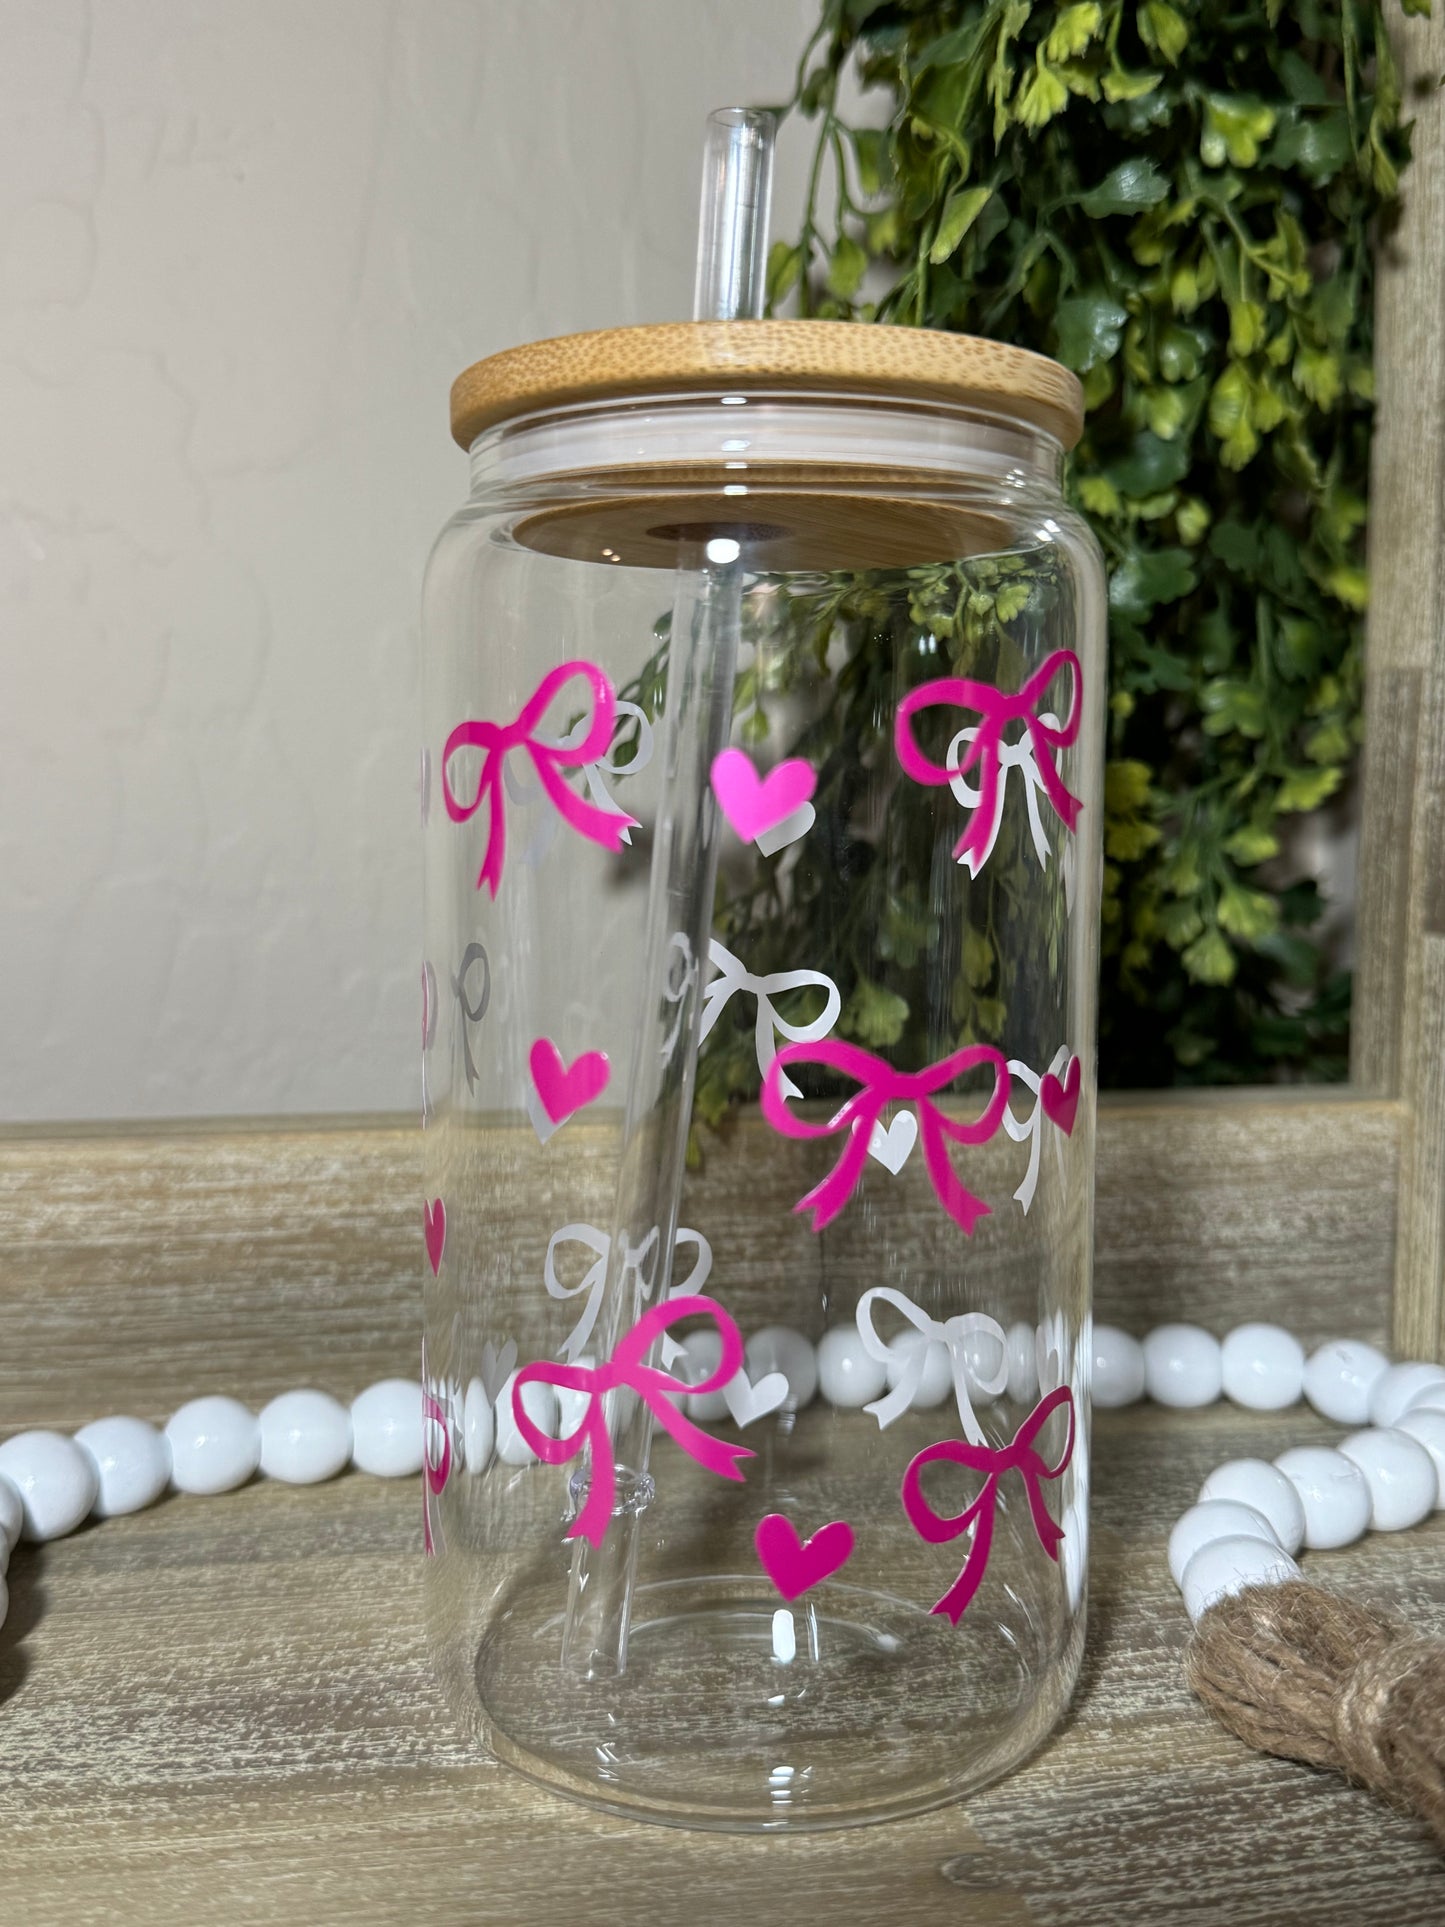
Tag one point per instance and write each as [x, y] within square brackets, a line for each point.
[1181, 203]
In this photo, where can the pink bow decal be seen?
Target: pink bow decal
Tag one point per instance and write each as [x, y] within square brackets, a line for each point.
[1020, 1457]
[997, 711]
[882, 1085]
[548, 759]
[657, 1389]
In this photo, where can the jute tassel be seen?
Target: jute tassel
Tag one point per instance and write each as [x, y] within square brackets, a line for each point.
[1304, 1673]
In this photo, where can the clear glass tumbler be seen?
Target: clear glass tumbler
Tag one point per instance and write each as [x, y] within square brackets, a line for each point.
[762, 795]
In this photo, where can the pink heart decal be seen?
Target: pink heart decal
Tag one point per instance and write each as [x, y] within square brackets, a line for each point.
[1061, 1101]
[564, 1088]
[795, 1564]
[434, 1217]
[753, 803]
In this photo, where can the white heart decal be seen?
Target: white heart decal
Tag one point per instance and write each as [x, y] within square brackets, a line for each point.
[497, 1367]
[747, 1401]
[894, 1147]
[792, 827]
[541, 1123]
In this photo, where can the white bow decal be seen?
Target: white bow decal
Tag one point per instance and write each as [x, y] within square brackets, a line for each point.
[733, 977]
[1031, 1128]
[523, 786]
[1019, 756]
[957, 1334]
[642, 1261]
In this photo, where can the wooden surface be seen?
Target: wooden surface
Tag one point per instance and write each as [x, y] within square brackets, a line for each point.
[803, 356]
[222, 1709]
[1399, 1025]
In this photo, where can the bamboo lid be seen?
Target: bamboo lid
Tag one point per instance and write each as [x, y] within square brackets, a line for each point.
[788, 356]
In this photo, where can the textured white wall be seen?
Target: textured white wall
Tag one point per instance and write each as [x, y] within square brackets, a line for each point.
[245, 245]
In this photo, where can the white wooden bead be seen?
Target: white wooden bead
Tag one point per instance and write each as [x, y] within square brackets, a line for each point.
[1074, 1550]
[572, 1406]
[1263, 1367]
[985, 1365]
[305, 1437]
[4, 1600]
[1023, 1364]
[386, 1430]
[1257, 1483]
[1426, 1425]
[1182, 1366]
[935, 1381]
[539, 1402]
[1400, 1474]
[1226, 1566]
[848, 1376]
[12, 1514]
[4, 1555]
[479, 1427]
[1430, 1399]
[55, 1479]
[215, 1445]
[1340, 1377]
[1334, 1492]
[1118, 1368]
[701, 1355]
[1214, 1519]
[778, 1348]
[1394, 1389]
[132, 1463]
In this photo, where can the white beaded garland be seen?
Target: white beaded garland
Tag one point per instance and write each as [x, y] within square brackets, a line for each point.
[1339, 1378]
[215, 1445]
[1263, 1367]
[1214, 1519]
[132, 1463]
[1333, 1491]
[1393, 1389]
[56, 1481]
[1226, 1566]
[1257, 1483]
[849, 1377]
[778, 1348]
[305, 1437]
[1118, 1368]
[1400, 1474]
[386, 1429]
[1182, 1366]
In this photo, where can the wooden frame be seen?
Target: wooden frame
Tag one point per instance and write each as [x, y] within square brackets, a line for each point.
[1399, 1026]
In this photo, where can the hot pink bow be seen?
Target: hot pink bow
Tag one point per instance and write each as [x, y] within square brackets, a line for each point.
[657, 1389]
[548, 759]
[1020, 1457]
[882, 1085]
[996, 710]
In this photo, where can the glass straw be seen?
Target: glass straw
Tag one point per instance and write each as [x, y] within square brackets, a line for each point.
[702, 660]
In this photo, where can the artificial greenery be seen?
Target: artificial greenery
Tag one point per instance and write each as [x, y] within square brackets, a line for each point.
[1180, 202]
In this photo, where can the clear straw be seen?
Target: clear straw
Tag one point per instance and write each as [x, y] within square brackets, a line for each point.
[702, 660]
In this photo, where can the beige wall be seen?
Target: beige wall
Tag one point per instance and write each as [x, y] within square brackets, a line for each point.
[243, 250]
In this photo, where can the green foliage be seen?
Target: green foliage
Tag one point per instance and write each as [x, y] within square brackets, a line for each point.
[1179, 201]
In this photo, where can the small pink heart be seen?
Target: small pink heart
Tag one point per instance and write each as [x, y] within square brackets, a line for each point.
[795, 1564]
[753, 803]
[434, 1216]
[1061, 1101]
[562, 1087]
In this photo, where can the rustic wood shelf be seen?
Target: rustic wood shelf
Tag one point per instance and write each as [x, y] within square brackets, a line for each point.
[222, 1709]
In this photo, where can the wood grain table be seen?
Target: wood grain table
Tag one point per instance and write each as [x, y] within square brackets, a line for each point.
[222, 1710]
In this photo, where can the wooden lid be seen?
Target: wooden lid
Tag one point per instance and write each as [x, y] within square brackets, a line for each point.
[916, 364]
